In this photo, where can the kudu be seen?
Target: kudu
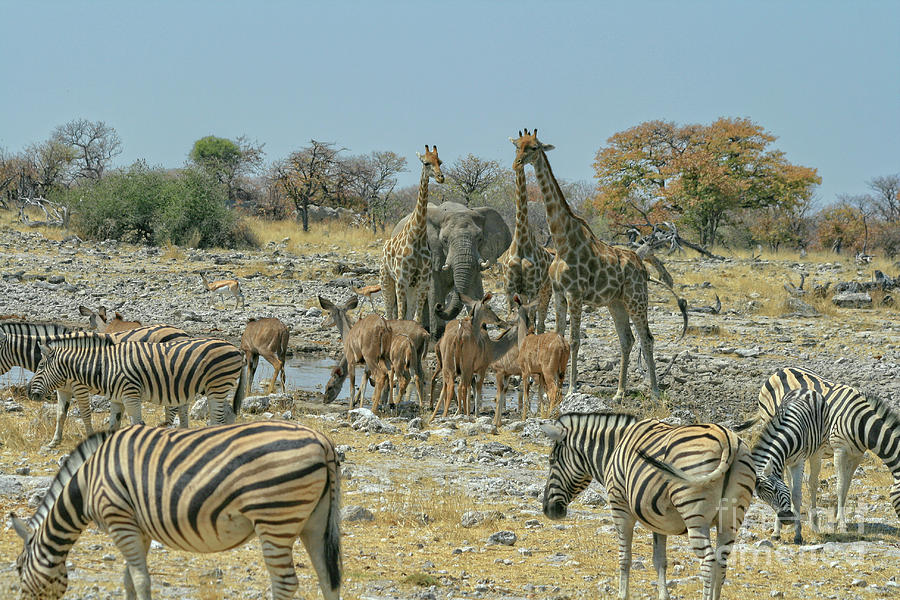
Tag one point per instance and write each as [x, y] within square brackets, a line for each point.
[542, 355]
[100, 323]
[466, 350]
[368, 341]
[267, 337]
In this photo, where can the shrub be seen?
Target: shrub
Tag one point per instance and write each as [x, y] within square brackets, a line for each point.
[144, 205]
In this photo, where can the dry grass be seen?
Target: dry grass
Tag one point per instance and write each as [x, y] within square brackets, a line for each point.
[322, 237]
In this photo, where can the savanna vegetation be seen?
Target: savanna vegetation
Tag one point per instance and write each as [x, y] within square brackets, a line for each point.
[724, 184]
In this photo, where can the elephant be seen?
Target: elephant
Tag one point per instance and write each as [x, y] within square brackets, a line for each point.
[463, 241]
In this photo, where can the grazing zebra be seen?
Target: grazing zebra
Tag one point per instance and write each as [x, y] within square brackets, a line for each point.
[169, 374]
[707, 479]
[796, 433]
[202, 490]
[857, 422]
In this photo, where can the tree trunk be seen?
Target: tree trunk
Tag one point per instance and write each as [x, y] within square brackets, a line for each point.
[304, 214]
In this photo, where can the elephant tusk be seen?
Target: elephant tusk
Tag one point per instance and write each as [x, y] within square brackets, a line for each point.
[485, 264]
[446, 267]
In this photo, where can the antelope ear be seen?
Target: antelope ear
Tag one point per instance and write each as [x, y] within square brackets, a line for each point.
[352, 303]
[84, 310]
[767, 468]
[487, 298]
[45, 350]
[119, 316]
[101, 310]
[326, 303]
[554, 431]
[517, 300]
[21, 526]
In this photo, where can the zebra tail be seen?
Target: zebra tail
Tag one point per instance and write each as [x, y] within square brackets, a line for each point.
[240, 391]
[332, 529]
[747, 424]
[676, 473]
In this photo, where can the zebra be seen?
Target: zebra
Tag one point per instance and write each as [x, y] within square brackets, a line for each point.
[626, 456]
[797, 432]
[857, 422]
[168, 374]
[19, 348]
[201, 490]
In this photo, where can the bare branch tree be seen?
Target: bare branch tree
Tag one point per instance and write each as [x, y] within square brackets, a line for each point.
[95, 144]
[308, 174]
[372, 180]
[887, 196]
[472, 176]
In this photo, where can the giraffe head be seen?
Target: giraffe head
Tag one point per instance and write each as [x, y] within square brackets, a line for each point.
[430, 159]
[528, 148]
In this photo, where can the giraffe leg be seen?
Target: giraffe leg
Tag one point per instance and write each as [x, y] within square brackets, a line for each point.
[626, 342]
[389, 291]
[542, 307]
[643, 331]
[574, 339]
[559, 300]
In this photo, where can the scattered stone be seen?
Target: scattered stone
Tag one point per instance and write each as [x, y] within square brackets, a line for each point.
[579, 402]
[852, 300]
[255, 404]
[363, 419]
[385, 447]
[748, 352]
[12, 406]
[23, 471]
[504, 538]
[414, 424]
[356, 513]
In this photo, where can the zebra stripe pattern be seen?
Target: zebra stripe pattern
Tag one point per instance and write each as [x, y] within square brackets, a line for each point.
[674, 480]
[857, 422]
[19, 347]
[169, 374]
[202, 490]
[796, 433]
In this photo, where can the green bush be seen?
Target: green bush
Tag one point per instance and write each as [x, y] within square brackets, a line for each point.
[144, 205]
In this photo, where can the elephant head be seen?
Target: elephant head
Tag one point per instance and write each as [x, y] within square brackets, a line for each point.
[463, 241]
[470, 242]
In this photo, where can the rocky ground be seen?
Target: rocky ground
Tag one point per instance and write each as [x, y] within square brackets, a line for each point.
[451, 509]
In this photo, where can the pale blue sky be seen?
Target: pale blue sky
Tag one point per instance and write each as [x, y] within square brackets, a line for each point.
[822, 76]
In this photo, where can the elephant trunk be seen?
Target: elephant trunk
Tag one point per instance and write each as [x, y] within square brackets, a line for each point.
[464, 260]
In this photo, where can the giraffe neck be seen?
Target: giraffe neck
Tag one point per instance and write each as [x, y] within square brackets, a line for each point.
[415, 228]
[522, 233]
[562, 220]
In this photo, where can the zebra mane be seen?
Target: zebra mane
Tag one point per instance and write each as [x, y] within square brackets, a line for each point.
[596, 416]
[885, 411]
[81, 339]
[67, 470]
[35, 329]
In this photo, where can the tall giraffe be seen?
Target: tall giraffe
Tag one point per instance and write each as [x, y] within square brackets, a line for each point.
[525, 263]
[406, 259]
[588, 271]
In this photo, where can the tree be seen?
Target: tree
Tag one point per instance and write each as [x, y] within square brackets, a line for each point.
[470, 177]
[696, 174]
[94, 143]
[372, 180]
[50, 164]
[887, 196]
[228, 161]
[309, 173]
[840, 226]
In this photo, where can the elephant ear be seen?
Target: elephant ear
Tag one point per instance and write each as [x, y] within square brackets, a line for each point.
[438, 256]
[496, 236]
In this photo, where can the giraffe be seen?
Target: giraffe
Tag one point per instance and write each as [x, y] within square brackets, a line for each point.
[525, 263]
[406, 259]
[587, 271]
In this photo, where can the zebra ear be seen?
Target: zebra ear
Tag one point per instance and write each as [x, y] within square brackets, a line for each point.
[21, 526]
[554, 431]
[767, 468]
[45, 350]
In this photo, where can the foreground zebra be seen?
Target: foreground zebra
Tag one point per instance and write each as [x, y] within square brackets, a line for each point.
[202, 490]
[674, 480]
[856, 422]
[169, 374]
[796, 433]
[19, 347]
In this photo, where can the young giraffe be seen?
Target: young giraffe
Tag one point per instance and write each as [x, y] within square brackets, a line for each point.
[406, 259]
[526, 263]
[587, 271]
